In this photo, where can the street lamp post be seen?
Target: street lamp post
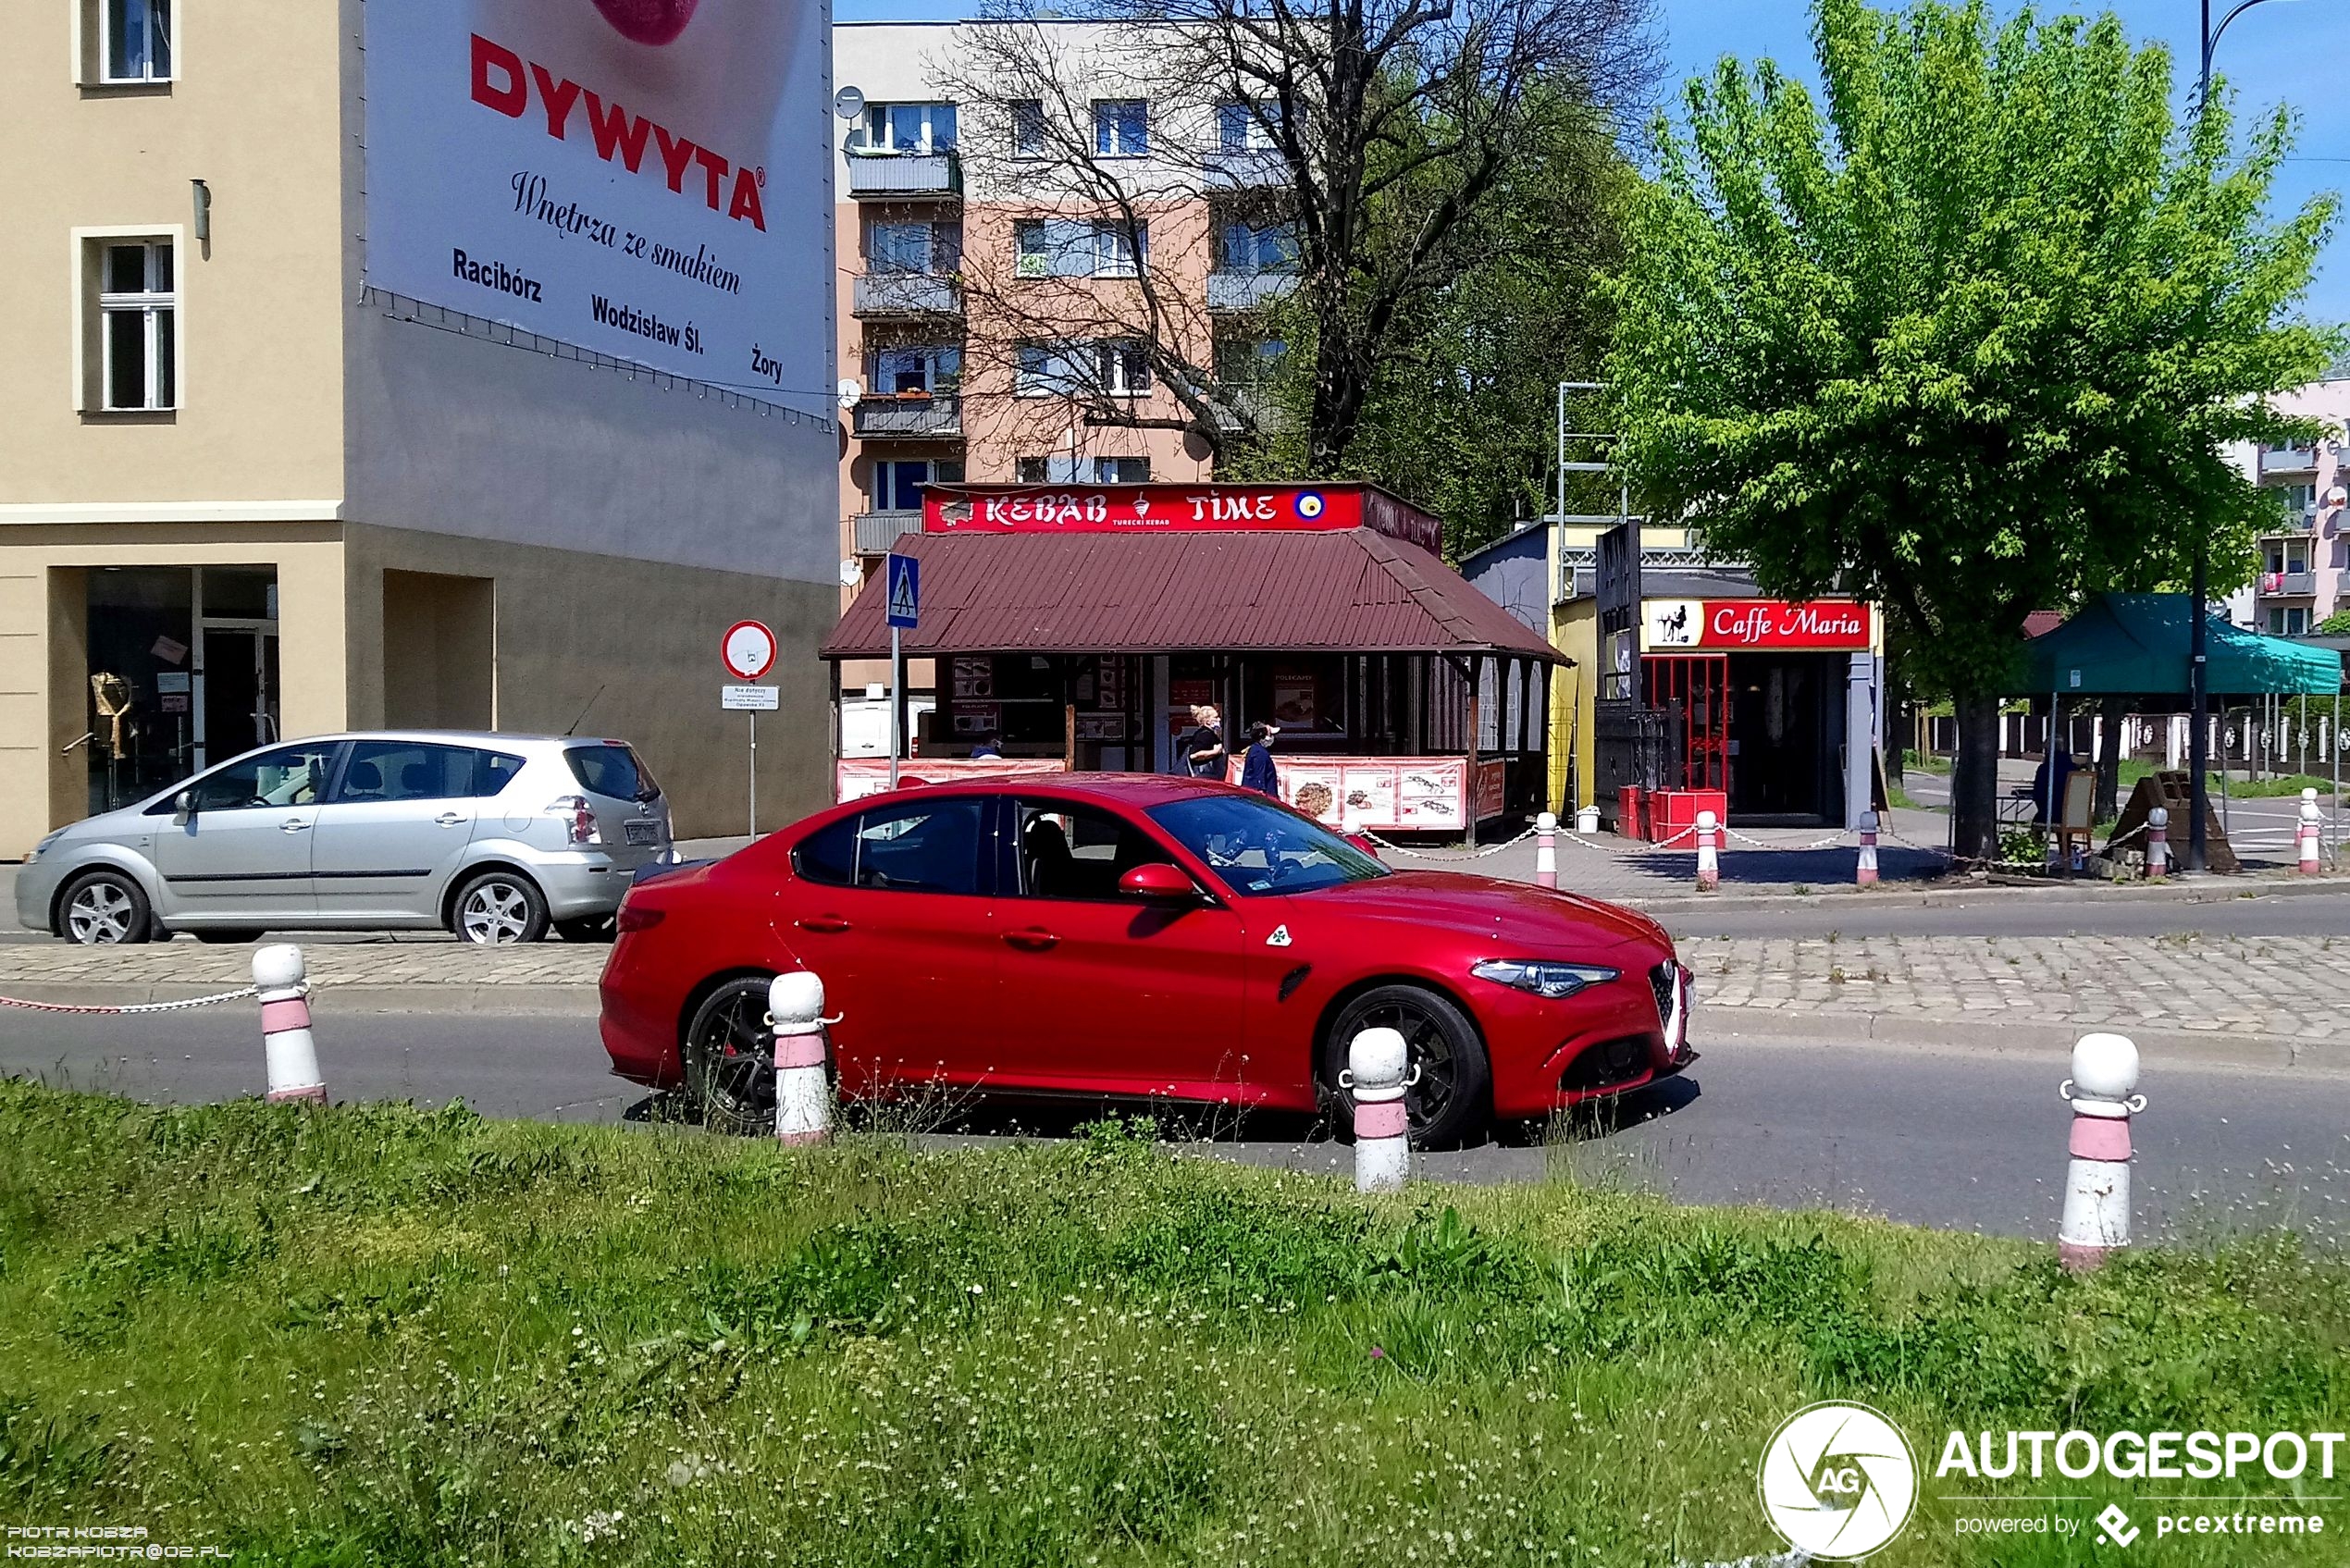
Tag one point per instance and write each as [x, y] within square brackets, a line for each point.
[2199, 666]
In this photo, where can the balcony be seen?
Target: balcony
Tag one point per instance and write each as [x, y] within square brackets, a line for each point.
[895, 177]
[2288, 585]
[930, 418]
[1241, 168]
[2289, 460]
[1243, 407]
[883, 296]
[877, 531]
[1235, 293]
[2292, 524]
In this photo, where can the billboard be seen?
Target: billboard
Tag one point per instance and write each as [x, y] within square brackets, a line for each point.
[1832, 624]
[1172, 508]
[645, 179]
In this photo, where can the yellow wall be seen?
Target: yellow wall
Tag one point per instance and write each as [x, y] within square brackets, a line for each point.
[1574, 632]
[256, 116]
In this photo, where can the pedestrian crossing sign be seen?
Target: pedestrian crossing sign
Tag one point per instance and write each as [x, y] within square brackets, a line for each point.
[904, 582]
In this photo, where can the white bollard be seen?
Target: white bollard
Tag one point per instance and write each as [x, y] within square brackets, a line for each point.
[1350, 828]
[1546, 849]
[1709, 852]
[2096, 1192]
[2312, 833]
[1375, 1076]
[1587, 820]
[2158, 844]
[285, 1025]
[1864, 872]
[803, 1100]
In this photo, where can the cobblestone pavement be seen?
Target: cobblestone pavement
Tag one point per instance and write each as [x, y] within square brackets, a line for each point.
[2280, 988]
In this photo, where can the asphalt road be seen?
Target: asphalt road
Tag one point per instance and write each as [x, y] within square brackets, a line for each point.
[1973, 1141]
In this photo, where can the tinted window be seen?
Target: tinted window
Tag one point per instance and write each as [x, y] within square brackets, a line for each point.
[494, 771]
[407, 770]
[1078, 851]
[612, 769]
[1257, 848]
[915, 847]
[290, 775]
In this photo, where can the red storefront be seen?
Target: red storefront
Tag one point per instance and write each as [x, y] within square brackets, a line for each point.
[1076, 625]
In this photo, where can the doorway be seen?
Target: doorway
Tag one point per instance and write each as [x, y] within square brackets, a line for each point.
[237, 687]
[1785, 735]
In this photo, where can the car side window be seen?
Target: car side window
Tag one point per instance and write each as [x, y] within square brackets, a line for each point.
[927, 846]
[494, 771]
[290, 775]
[1069, 851]
[404, 770]
[828, 855]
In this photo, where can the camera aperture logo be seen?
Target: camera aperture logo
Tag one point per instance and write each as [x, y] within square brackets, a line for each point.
[1838, 1480]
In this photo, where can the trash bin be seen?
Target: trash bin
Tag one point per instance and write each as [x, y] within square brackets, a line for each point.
[1674, 811]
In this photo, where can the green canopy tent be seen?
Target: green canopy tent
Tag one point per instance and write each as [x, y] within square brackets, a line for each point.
[2135, 645]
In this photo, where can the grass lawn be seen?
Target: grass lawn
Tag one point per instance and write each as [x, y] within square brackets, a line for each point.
[381, 1336]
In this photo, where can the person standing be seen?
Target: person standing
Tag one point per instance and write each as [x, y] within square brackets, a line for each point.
[1257, 771]
[1201, 751]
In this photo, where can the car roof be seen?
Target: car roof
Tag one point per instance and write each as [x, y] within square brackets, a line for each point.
[1137, 789]
[477, 737]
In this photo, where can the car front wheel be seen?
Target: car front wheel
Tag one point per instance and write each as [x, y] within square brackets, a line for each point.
[104, 908]
[1450, 1097]
[499, 908]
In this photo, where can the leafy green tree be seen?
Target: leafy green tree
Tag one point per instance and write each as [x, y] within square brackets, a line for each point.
[2335, 626]
[1969, 338]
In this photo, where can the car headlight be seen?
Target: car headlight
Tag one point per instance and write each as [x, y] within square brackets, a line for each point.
[1542, 977]
[36, 851]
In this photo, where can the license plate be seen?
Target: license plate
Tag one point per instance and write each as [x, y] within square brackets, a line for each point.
[644, 832]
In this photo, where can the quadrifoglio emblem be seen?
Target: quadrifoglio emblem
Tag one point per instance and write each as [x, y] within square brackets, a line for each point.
[1838, 1480]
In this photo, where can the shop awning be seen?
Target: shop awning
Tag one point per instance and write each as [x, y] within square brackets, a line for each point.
[1351, 590]
[2135, 645]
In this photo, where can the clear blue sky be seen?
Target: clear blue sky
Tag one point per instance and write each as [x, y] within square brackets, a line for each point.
[2294, 52]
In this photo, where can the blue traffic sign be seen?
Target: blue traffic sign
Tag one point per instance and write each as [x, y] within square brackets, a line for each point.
[905, 591]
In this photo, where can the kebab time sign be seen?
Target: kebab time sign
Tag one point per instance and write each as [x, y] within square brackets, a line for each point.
[1161, 509]
[1738, 625]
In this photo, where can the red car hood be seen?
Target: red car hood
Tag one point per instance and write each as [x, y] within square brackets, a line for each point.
[1543, 923]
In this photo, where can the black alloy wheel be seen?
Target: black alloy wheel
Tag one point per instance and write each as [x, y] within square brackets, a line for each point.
[1451, 1098]
[730, 1058]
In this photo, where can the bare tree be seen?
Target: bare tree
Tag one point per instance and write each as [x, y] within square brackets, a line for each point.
[1347, 143]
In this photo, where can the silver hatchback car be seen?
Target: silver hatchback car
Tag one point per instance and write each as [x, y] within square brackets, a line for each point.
[497, 837]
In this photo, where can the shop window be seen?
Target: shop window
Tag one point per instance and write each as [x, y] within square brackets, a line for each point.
[138, 317]
[1123, 128]
[132, 40]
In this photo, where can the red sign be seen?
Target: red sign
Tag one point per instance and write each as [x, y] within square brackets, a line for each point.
[1726, 623]
[1154, 509]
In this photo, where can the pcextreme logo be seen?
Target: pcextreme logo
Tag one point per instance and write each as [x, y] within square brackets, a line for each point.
[1838, 1481]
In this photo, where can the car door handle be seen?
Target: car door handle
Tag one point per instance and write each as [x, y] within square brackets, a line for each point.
[1031, 941]
[822, 922]
[449, 819]
[293, 824]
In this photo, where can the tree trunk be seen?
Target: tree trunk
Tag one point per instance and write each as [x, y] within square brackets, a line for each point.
[1974, 778]
[2108, 796]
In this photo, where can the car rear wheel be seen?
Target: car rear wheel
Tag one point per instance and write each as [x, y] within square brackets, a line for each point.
[499, 908]
[1451, 1099]
[730, 1057]
[104, 908]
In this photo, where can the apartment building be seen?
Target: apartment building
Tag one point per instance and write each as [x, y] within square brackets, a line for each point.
[2305, 555]
[368, 370]
[981, 303]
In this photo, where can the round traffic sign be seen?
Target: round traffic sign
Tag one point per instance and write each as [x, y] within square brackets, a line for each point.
[749, 649]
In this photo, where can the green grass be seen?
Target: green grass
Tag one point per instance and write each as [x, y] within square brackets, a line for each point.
[380, 1336]
[2241, 788]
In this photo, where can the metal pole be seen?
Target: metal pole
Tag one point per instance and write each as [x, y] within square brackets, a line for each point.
[2199, 594]
[754, 772]
[897, 689]
[1562, 450]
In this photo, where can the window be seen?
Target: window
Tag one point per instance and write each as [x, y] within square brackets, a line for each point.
[1121, 128]
[916, 367]
[1247, 128]
[612, 769]
[2287, 555]
[289, 775]
[1028, 128]
[2288, 620]
[138, 326]
[1118, 368]
[904, 128]
[898, 487]
[1077, 851]
[134, 40]
[1078, 248]
[1247, 362]
[932, 248]
[1065, 470]
[1125, 370]
[927, 847]
[1257, 847]
[394, 770]
[1258, 247]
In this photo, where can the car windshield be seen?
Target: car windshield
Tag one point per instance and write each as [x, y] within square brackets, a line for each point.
[612, 769]
[1257, 847]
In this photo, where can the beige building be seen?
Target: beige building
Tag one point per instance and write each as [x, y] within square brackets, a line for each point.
[243, 494]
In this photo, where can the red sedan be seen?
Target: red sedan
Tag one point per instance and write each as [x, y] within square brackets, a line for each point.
[1128, 936]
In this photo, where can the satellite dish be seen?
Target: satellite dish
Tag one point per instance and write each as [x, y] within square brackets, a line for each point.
[848, 391]
[851, 574]
[2337, 496]
[848, 102]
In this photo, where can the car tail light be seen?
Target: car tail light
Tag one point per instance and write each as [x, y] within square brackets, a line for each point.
[635, 917]
[581, 828]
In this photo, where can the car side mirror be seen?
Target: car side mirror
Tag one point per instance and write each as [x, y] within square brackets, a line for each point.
[184, 802]
[1157, 880]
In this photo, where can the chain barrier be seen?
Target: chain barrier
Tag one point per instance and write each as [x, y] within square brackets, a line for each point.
[1454, 854]
[135, 1007]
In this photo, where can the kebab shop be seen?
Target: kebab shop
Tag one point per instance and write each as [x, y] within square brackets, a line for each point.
[1764, 693]
[1075, 627]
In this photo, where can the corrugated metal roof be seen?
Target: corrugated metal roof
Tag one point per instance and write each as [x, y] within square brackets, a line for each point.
[1174, 592]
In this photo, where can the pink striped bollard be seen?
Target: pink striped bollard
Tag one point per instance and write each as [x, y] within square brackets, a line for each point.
[803, 1097]
[2096, 1192]
[292, 1055]
[1546, 849]
[1375, 1076]
[2158, 844]
[1709, 852]
[1864, 872]
[2312, 835]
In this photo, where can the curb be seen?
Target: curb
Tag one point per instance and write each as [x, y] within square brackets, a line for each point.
[1997, 1036]
[578, 1000]
[1891, 895]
